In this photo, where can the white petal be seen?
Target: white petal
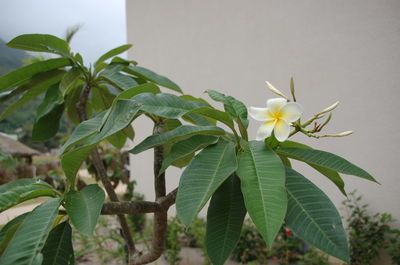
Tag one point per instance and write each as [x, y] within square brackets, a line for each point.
[265, 130]
[275, 104]
[291, 112]
[281, 130]
[260, 114]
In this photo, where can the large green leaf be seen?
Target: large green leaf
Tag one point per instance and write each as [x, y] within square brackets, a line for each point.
[47, 126]
[121, 115]
[58, 249]
[69, 80]
[32, 92]
[84, 130]
[133, 91]
[186, 147]
[52, 98]
[224, 220]
[313, 217]
[332, 175]
[202, 177]
[24, 74]
[15, 192]
[8, 231]
[112, 53]
[40, 43]
[102, 98]
[175, 135]
[166, 105]
[84, 206]
[153, 77]
[25, 246]
[324, 159]
[262, 178]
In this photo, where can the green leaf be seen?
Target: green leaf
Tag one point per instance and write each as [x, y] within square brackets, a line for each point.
[121, 115]
[52, 98]
[202, 177]
[15, 192]
[324, 159]
[24, 74]
[234, 107]
[224, 220]
[166, 105]
[117, 139]
[33, 92]
[186, 147]
[102, 98]
[133, 91]
[8, 231]
[72, 161]
[152, 77]
[217, 115]
[84, 207]
[84, 130]
[58, 249]
[40, 43]
[313, 217]
[175, 135]
[262, 178]
[70, 103]
[69, 80]
[330, 174]
[112, 53]
[48, 125]
[113, 75]
[25, 246]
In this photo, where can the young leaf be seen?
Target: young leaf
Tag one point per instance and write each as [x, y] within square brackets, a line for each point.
[30, 237]
[40, 43]
[175, 135]
[186, 147]
[166, 105]
[72, 161]
[324, 159]
[152, 77]
[112, 53]
[313, 217]
[17, 191]
[58, 249]
[262, 177]
[224, 220]
[202, 177]
[24, 74]
[84, 206]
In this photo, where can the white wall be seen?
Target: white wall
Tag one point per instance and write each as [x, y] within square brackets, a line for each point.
[336, 50]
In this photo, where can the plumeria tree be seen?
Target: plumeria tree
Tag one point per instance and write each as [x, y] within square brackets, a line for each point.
[221, 164]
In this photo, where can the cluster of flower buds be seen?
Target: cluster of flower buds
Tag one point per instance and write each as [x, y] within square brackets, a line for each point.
[313, 121]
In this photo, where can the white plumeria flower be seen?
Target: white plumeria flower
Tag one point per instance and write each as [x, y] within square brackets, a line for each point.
[276, 117]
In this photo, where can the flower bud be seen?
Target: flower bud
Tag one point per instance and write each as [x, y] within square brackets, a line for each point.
[275, 90]
[328, 109]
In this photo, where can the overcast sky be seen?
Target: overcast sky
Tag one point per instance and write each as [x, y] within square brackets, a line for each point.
[103, 22]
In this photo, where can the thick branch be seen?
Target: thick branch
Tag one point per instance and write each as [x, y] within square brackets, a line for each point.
[101, 171]
[161, 217]
[136, 207]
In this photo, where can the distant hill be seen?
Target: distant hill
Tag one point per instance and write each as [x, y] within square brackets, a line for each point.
[10, 58]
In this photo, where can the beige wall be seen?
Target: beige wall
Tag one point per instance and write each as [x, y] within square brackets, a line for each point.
[336, 50]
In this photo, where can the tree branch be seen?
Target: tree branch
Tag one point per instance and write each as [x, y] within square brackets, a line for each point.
[160, 217]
